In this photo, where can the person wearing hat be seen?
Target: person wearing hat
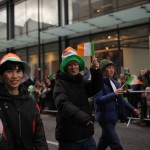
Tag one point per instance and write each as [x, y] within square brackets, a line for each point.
[110, 107]
[50, 82]
[21, 127]
[74, 120]
[126, 73]
[126, 76]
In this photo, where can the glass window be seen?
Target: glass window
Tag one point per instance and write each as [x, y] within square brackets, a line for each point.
[82, 10]
[26, 17]
[102, 7]
[3, 26]
[122, 4]
[33, 61]
[137, 40]
[28, 13]
[49, 65]
[135, 45]
[22, 54]
[2, 54]
[78, 10]
[105, 41]
[74, 42]
[49, 13]
[106, 47]
[51, 59]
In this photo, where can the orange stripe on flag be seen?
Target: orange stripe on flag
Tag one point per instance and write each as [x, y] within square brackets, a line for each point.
[80, 49]
[139, 82]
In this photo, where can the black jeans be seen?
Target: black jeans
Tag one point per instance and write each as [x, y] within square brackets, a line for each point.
[88, 144]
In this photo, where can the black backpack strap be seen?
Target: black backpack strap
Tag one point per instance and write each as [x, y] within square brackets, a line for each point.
[10, 126]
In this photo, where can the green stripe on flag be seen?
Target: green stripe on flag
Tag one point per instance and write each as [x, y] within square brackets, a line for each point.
[130, 79]
[92, 48]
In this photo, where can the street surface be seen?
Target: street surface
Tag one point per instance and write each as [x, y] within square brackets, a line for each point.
[133, 137]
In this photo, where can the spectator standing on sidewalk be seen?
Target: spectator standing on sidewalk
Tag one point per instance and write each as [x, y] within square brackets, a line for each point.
[74, 121]
[50, 104]
[21, 127]
[110, 107]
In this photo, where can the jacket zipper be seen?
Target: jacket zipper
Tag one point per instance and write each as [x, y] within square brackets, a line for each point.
[19, 124]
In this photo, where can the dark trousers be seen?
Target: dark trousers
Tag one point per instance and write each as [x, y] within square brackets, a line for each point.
[109, 137]
[88, 144]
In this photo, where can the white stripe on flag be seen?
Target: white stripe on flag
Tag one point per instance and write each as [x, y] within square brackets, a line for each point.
[87, 49]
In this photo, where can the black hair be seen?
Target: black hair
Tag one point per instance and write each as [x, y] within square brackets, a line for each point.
[11, 65]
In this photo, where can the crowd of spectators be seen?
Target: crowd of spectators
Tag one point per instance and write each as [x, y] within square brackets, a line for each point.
[42, 92]
[141, 99]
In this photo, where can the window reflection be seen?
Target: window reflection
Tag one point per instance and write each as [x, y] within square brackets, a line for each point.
[3, 25]
[49, 13]
[80, 10]
[26, 15]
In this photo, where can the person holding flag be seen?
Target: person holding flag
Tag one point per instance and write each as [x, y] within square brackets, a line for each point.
[110, 107]
[74, 120]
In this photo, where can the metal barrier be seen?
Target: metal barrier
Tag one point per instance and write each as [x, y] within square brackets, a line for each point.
[48, 112]
[134, 97]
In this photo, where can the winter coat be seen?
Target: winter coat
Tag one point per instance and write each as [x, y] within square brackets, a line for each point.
[108, 106]
[25, 119]
[71, 95]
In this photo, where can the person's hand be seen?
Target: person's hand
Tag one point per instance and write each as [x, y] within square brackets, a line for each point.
[49, 89]
[119, 91]
[136, 112]
[89, 123]
[95, 64]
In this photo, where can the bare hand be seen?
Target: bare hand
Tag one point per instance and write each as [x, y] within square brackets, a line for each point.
[119, 91]
[95, 64]
[89, 123]
[136, 112]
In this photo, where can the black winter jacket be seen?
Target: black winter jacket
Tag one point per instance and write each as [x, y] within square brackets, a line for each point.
[24, 115]
[71, 95]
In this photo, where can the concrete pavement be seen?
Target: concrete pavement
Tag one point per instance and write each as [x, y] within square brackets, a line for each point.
[133, 137]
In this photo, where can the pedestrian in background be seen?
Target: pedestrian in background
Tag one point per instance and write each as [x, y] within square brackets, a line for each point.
[74, 121]
[110, 107]
[21, 127]
[50, 82]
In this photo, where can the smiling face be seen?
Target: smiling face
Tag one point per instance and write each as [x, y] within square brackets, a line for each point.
[109, 71]
[12, 74]
[12, 79]
[73, 68]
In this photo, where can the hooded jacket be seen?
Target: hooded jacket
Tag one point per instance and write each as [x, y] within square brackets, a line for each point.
[24, 115]
[108, 106]
[71, 95]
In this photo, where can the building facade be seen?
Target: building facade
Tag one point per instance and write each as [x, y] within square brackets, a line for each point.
[39, 30]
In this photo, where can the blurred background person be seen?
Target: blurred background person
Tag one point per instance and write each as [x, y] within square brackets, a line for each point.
[49, 100]
[86, 73]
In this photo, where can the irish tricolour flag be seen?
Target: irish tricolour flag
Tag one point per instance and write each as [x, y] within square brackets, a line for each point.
[86, 49]
[133, 80]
